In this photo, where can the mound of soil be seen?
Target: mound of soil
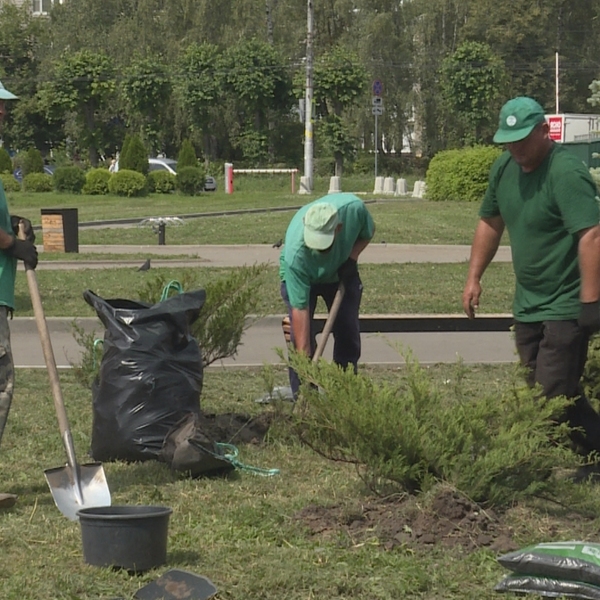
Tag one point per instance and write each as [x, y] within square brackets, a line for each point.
[449, 519]
[234, 428]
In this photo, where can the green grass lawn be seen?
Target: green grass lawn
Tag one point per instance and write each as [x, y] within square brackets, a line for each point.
[388, 289]
[242, 532]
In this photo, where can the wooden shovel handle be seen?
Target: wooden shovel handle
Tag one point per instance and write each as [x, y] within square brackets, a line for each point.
[335, 307]
[44, 334]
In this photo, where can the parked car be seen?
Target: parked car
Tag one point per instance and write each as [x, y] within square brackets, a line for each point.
[18, 173]
[170, 165]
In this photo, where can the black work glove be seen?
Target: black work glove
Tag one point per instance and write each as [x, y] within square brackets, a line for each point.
[589, 317]
[14, 223]
[25, 251]
[348, 271]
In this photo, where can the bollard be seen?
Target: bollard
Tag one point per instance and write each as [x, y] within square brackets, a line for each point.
[335, 185]
[162, 227]
[401, 188]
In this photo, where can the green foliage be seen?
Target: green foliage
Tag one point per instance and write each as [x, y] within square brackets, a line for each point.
[80, 85]
[127, 183]
[10, 183]
[472, 82]
[5, 161]
[147, 88]
[69, 179]
[32, 162]
[96, 182]
[224, 317]
[190, 180]
[88, 367]
[460, 175]
[496, 449]
[37, 182]
[187, 155]
[133, 156]
[161, 182]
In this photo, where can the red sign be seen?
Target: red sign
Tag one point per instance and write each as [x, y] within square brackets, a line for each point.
[557, 126]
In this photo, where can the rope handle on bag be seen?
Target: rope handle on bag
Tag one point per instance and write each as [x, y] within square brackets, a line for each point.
[172, 285]
[231, 454]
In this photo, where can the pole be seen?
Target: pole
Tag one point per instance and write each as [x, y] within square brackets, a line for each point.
[376, 146]
[308, 108]
[556, 82]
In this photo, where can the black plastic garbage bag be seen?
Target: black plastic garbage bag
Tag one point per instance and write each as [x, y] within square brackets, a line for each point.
[150, 374]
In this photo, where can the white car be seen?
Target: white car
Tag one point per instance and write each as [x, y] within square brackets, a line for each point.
[170, 165]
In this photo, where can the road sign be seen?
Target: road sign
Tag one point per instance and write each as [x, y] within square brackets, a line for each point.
[377, 101]
[377, 87]
[377, 110]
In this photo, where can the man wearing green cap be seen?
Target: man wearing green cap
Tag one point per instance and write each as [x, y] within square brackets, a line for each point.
[322, 244]
[545, 197]
[11, 248]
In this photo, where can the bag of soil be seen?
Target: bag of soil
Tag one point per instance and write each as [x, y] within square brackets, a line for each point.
[578, 561]
[150, 374]
[189, 449]
[548, 587]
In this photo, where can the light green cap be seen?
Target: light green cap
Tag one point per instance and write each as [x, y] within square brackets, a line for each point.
[5, 94]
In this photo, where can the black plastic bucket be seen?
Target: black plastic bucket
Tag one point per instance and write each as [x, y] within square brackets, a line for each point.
[128, 537]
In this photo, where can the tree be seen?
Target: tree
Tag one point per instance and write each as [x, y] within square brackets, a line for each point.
[339, 82]
[133, 155]
[473, 80]
[82, 84]
[147, 88]
[197, 90]
[255, 78]
[187, 155]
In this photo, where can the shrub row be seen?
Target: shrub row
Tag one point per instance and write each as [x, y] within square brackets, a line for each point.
[126, 182]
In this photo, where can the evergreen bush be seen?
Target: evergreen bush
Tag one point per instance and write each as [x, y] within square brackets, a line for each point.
[127, 183]
[32, 162]
[5, 161]
[10, 183]
[37, 182]
[161, 182]
[190, 180]
[133, 156]
[69, 179]
[496, 448]
[460, 175]
[187, 155]
[96, 182]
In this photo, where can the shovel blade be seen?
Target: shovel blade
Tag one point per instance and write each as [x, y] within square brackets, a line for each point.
[72, 493]
[177, 584]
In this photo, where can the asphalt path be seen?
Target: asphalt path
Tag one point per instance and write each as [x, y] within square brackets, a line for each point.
[261, 341]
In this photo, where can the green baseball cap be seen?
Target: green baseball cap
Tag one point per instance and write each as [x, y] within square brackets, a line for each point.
[518, 117]
[320, 222]
[5, 94]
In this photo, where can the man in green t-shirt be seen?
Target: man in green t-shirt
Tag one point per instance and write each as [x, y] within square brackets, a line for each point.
[545, 197]
[322, 244]
[11, 249]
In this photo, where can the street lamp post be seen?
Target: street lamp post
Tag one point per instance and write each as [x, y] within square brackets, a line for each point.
[307, 180]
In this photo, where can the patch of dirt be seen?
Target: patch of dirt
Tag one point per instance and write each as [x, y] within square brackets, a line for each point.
[449, 519]
[233, 428]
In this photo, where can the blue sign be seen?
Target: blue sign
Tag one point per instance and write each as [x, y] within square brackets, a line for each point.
[377, 87]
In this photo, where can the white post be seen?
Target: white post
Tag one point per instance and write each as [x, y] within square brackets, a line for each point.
[376, 147]
[306, 181]
[556, 82]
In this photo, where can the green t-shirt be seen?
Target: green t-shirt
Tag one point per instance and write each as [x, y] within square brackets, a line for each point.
[300, 267]
[543, 211]
[8, 264]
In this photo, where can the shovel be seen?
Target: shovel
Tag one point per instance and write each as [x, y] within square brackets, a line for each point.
[335, 306]
[73, 486]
